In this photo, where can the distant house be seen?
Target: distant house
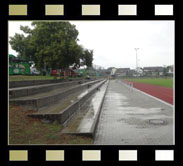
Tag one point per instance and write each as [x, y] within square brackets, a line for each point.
[108, 70]
[122, 72]
[139, 71]
[171, 69]
[153, 71]
[131, 72]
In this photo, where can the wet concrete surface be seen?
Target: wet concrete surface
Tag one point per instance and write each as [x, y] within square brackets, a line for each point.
[82, 122]
[127, 115]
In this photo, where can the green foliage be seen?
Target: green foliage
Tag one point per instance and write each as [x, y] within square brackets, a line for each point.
[87, 57]
[51, 44]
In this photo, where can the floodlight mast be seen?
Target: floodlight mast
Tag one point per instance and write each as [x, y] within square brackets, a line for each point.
[136, 49]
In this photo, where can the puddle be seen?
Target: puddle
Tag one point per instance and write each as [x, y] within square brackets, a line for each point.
[140, 110]
[157, 122]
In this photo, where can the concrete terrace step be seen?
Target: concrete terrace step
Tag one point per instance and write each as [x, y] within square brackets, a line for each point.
[63, 103]
[63, 111]
[15, 84]
[37, 101]
[86, 119]
[35, 89]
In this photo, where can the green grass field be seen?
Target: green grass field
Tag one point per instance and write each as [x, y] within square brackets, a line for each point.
[165, 82]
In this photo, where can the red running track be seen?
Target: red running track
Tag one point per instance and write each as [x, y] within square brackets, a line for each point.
[163, 93]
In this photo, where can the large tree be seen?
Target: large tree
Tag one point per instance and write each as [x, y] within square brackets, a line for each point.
[53, 44]
[87, 57]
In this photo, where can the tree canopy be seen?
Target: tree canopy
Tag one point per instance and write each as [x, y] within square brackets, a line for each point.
[53, 44]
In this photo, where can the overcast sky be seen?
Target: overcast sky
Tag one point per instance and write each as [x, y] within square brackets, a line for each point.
[113, 42]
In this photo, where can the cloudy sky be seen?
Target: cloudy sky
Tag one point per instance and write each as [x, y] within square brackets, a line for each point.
[113, 42]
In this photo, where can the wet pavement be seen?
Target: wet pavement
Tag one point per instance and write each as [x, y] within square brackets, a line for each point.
[129, 117]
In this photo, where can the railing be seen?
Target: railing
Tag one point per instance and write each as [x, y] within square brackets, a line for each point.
[129, 85]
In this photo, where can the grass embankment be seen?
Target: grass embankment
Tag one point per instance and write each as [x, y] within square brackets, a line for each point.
[24, 77]
[165, 82]
[27, 130]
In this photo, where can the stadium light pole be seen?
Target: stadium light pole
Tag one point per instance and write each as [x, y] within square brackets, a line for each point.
[136, 49]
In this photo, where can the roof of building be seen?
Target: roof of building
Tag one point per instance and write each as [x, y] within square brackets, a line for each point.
[155, 69]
